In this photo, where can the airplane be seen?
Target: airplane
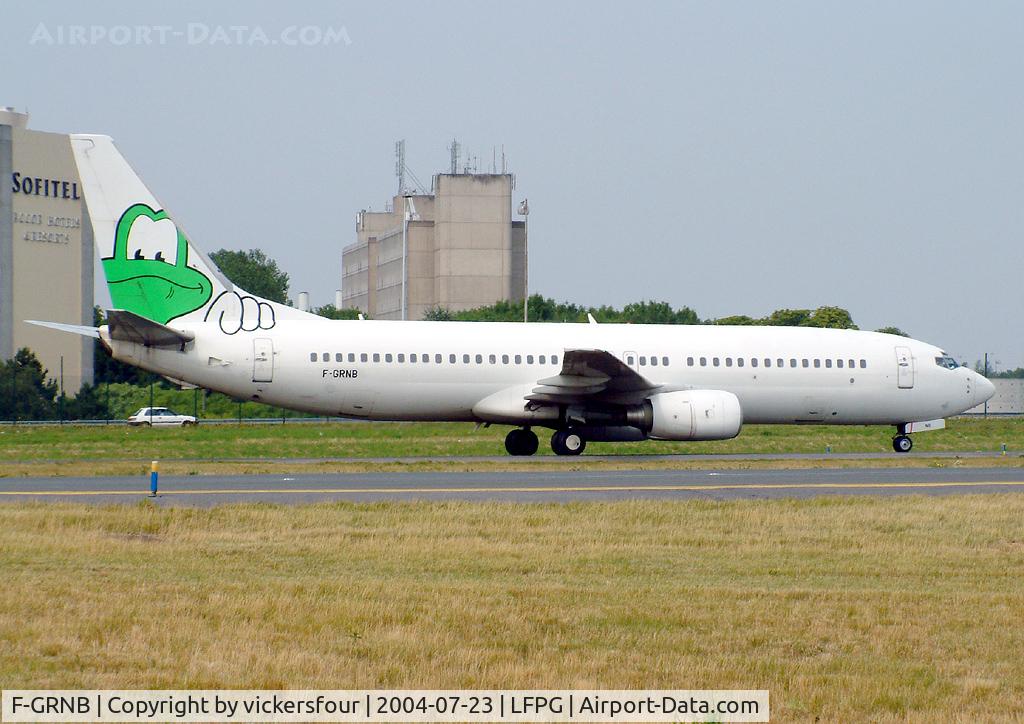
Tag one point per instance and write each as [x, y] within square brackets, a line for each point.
[175, 314]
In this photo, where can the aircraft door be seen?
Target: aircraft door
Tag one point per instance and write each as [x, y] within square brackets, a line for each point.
[262, 360]
[904, 368]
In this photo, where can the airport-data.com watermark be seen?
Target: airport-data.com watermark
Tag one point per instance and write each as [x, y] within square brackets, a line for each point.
[194, 34]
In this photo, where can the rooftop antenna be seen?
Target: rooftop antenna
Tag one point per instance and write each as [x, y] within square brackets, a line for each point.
[504, 168]
[400, 164]
[454, 151]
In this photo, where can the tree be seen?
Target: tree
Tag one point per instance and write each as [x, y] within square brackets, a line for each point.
[787, 317]
[88, 404]
[332, 312]
[26, 393]
[893, 330]
[831, 317]
[738, 320]
[437, 314]
[254, 272]
[658, 313]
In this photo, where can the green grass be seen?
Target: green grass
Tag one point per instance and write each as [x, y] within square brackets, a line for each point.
[846, 609]
[360, 440]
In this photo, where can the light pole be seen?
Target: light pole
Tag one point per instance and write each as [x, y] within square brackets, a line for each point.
[524, 211]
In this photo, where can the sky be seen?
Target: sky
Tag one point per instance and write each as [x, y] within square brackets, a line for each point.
[733, 157]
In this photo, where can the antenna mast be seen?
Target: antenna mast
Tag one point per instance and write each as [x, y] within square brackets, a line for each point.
[400, 165]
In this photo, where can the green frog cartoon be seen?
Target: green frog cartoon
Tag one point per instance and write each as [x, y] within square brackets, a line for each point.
[154, 288]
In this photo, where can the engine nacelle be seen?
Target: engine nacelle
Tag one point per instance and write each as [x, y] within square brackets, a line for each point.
[695, 415]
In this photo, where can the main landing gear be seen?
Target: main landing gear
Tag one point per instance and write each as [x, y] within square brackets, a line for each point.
[567, 442]
[902, 443]
[521, 442]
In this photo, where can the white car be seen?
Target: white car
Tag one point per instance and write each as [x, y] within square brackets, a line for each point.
[160, 416]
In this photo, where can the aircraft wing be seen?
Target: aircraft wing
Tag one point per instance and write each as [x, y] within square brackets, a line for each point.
[592, 374]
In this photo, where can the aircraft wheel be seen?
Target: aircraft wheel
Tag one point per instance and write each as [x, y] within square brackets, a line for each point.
[521, 442]
[902, 443]
[568, 442]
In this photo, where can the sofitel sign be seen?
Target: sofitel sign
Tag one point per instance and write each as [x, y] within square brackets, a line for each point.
[49, 187]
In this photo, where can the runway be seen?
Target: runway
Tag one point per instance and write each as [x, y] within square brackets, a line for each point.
[517, 486]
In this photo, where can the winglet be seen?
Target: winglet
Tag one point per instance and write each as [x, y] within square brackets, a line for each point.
[590, 318]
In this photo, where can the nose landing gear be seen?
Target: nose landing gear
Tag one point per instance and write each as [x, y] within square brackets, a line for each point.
[902, 443]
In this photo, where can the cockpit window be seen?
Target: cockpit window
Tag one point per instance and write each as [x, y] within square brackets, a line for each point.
[948, 362]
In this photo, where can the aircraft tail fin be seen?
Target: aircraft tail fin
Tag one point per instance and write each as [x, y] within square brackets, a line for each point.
[151, 267]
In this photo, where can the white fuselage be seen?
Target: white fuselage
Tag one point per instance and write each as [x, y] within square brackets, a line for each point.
[365, 368]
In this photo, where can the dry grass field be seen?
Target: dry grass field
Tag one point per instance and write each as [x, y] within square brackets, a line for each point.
[846, 609]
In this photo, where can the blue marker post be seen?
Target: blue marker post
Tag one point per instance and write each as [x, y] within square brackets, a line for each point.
[153, 475]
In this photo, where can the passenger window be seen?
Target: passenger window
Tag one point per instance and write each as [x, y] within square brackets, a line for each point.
[529, 359]
[629, 360]
[412, 357]
[714, 361]
[792, 362]
[554, 359]
[363, 357]
[806, 362]
[753, 361]
[438, 358]
[739, 362]
[312, 356]
[852, 363]
[767, 361]
[728, 361]
[451, 359]
[839, 363]
[780, 362]
[492, 359]
[703, 361]
[863, 364]
[376, 356]
[465, 359]
[643, 361]
[479, 359]
[828, 364]
[542, 359]
[326, 357]
[817, 363]
[401, 358]
[519, 359]
[351, 356]
[388, 357]
[654, 361]
[664, 361]
[689, 361]
[339, 357]
[504, 359]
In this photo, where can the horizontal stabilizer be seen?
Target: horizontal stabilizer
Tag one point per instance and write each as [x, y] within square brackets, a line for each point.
[130, 327]
[73, 328]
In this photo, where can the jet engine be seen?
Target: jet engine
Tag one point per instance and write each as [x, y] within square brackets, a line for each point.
[693, 415]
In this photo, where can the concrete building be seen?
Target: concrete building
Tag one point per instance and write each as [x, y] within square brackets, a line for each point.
[460, 247]
[46, 250]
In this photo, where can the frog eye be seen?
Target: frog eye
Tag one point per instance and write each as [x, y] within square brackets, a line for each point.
[153, 239]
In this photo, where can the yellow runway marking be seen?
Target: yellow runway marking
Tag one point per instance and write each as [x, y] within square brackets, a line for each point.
[520, 489]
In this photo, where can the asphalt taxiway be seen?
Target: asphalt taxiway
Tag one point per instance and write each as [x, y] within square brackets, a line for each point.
[517, 486]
